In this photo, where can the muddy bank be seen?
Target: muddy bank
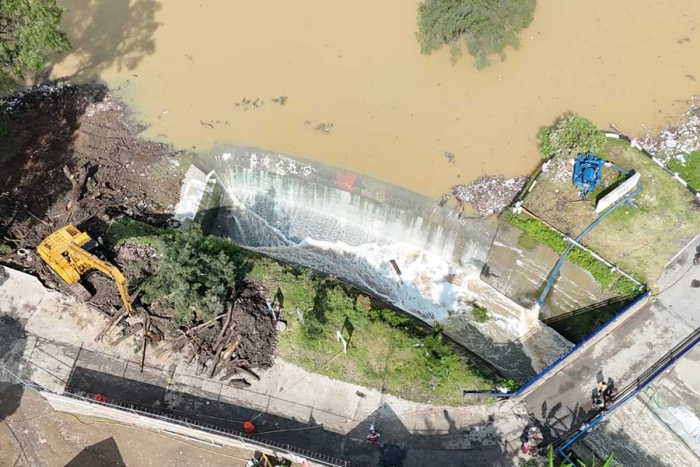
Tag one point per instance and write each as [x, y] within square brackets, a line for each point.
[71, 155]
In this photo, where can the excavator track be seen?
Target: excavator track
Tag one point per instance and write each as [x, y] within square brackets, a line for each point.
[77, 290]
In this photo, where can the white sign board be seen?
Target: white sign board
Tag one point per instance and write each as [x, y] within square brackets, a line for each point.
[615, 195]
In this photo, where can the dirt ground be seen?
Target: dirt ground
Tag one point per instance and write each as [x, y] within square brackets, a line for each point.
[36, 436]
[56, 131]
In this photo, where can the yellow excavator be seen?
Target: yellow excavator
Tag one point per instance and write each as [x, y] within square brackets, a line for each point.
[71, 254]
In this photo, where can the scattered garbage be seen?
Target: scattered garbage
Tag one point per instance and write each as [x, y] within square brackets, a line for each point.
[675, 142]
[325, 127]
[488, 194]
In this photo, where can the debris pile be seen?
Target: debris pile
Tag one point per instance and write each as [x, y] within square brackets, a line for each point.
[488, 194]
[75, 159]
[228, 346]
[676, 141]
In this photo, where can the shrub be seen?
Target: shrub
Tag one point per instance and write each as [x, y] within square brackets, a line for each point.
[487, 27]
[572, 135]
[5, 249]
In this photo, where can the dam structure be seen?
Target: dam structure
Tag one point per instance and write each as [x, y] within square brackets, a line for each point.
[387, 241]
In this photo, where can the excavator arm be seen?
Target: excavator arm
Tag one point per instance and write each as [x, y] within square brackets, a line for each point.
[87, 258]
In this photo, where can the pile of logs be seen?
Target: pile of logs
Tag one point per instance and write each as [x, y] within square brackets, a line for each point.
[225, 347]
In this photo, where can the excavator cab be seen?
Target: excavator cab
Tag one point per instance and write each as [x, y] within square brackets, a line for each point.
[72, 254]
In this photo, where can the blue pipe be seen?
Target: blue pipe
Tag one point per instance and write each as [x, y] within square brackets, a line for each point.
[560, 263]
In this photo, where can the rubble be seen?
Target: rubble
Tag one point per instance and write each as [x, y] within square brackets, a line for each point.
[488, 194]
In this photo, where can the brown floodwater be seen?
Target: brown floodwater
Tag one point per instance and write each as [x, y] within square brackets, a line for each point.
[184, 65]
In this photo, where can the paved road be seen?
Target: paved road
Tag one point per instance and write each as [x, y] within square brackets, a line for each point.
[565, 401]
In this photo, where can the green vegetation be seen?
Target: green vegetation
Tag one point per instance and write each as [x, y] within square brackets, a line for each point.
[387, 349]
[29, 32]
[485, 26]
[195, 275]
[480, 313]
[5, 249]
[509, 384]
[537, 231]
[690, 171]
[639, 240]
[573, 134]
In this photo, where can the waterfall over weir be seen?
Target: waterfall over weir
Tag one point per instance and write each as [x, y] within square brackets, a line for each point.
[359, 229]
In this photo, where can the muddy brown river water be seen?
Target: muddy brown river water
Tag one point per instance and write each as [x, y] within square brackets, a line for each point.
[184, 65]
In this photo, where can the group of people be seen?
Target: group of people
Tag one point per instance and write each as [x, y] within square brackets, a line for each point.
[603, 395]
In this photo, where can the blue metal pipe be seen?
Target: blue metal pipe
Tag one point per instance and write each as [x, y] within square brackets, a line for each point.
[560, 262]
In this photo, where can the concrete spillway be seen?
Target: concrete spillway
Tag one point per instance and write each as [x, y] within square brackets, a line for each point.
[354, 227]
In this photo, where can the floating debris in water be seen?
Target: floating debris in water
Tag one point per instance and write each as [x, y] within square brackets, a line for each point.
[325, 127]
[677, 141]
[488, 194]
[281, 100]
[248, 104]
[449, 156]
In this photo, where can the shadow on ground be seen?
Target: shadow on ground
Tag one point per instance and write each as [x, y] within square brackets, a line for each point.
[577, 325]
[103, 453]
[12, 344]
[398, 447]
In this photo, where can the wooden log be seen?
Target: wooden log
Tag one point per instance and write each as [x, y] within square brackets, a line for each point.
[207, 324]
[248, 372]
[217, 354]
[226, 355]
[146, 333]
[113, 322]
[133, 330]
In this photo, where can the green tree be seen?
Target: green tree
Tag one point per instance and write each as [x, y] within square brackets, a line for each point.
[29, 32]
[572, 135]
[195, 276]
[486, 26]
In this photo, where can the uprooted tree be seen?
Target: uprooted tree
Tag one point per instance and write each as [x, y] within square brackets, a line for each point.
[195, 276]
[487, 27]
[29, 31]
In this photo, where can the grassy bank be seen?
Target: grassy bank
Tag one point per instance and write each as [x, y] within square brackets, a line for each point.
[537, 232]
[690, 171]
[387, 350]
